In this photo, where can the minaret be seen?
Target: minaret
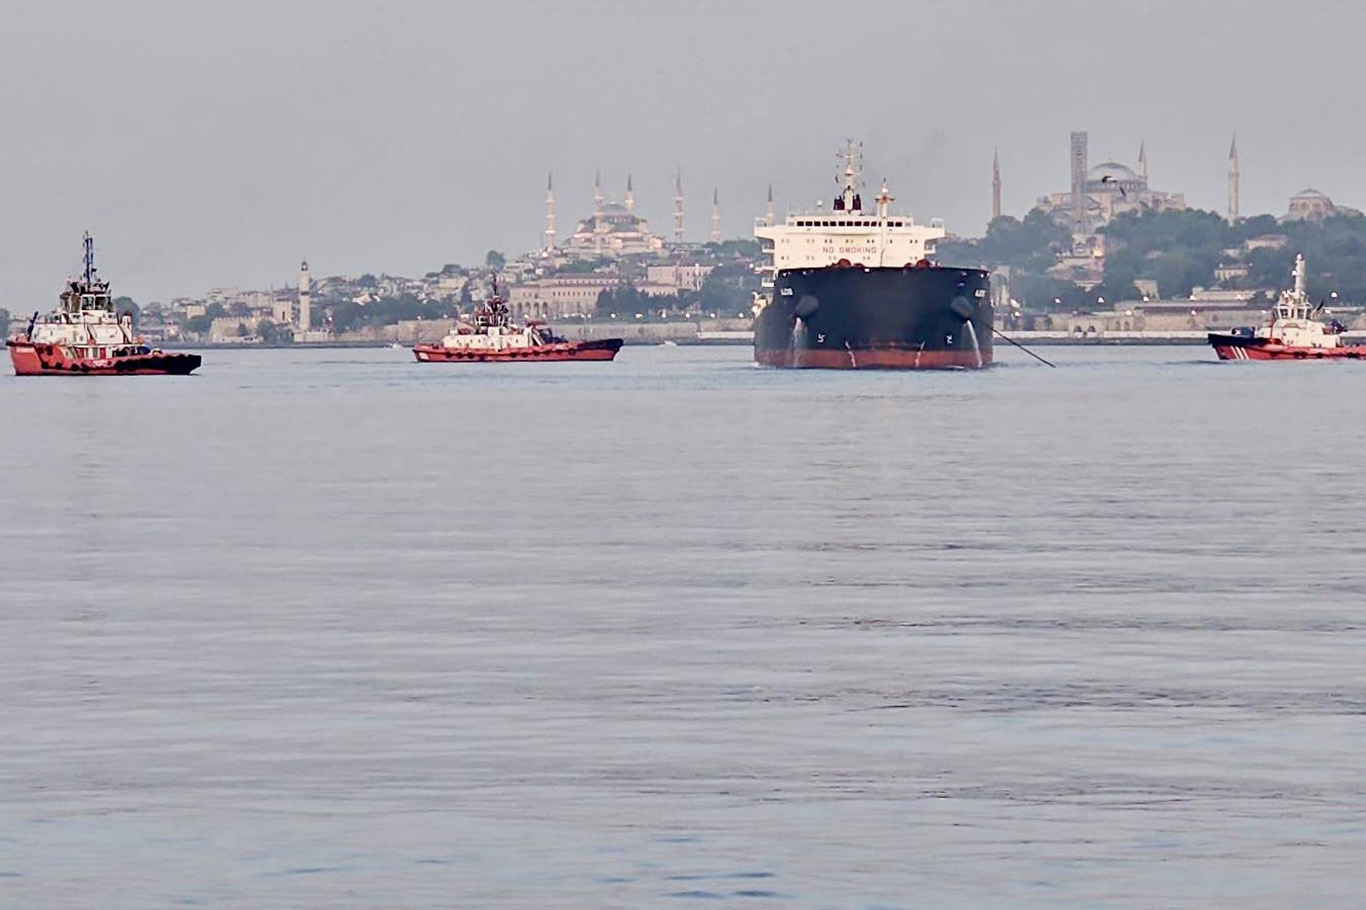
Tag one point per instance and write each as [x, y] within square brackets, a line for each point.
[305, 299]
[550, 212]
[597, 192]
[995, 185]
[715, 216]
[1143, 163]
[630, 195]
[1233, 182]
[678, 206]
[769, 215]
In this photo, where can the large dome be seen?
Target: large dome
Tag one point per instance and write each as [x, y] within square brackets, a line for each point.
[1113, 170]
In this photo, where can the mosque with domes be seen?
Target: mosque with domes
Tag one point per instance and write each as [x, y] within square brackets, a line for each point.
[613, 229]
[1102, 191]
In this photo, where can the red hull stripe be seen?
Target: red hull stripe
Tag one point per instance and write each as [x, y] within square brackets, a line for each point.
[29, 361]
[1280, 352]
[438, 354]
[872, 359]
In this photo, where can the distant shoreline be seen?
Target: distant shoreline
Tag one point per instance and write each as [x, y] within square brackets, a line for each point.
[646, 338]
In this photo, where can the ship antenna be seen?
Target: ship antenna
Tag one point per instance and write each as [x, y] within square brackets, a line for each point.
[89, 257]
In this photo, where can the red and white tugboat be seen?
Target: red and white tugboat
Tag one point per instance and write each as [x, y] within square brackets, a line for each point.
[85, 337]
[1292, 334]
[494, 337]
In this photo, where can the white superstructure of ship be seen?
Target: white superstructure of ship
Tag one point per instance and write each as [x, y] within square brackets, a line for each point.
[846, 232]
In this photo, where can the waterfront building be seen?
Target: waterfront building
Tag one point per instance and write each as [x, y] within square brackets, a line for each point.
[671, 279]
[560, 297]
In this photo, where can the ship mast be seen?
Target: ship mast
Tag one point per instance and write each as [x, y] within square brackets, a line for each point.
[848, 199]
[884, 208]
[89, 258]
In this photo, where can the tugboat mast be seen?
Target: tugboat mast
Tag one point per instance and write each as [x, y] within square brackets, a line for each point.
[89, 259]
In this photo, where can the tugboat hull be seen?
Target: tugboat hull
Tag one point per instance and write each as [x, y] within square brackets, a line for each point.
[1242, 347]
[38, 359]
[854, 317]
[559, 352]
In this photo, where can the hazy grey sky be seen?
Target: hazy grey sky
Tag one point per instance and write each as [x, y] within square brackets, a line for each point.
[216, 143]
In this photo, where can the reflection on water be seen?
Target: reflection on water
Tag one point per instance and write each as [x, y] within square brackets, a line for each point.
[331, 628]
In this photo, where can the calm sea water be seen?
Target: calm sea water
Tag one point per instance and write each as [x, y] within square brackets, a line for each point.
[335, 629]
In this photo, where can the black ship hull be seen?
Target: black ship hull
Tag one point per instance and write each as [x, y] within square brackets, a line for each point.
[853, 317]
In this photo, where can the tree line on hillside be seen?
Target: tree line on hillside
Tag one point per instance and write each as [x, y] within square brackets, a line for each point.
[1179, 250]
[727, 290]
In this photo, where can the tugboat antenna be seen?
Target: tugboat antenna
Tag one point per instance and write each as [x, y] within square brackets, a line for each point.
[89, 258]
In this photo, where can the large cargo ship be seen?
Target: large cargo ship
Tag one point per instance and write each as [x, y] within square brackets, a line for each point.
[84, 336]
[854, 289]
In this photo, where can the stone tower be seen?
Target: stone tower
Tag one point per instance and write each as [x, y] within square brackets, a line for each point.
[630, 195]
[597, 192]
[715, 216]
[1233, 182]
[1143, 163]
[305, 299]
[1079, 182]
[995, 185]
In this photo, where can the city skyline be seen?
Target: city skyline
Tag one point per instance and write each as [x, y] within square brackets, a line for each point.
[374, 139]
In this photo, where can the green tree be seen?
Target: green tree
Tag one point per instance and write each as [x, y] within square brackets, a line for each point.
[273, 333]
[735, 249]
[495, 260]
[199, 325]
[1048, 294]
[728, 290]
[606, 304]
[1031, 245]
[580, 267]
[624, 300]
